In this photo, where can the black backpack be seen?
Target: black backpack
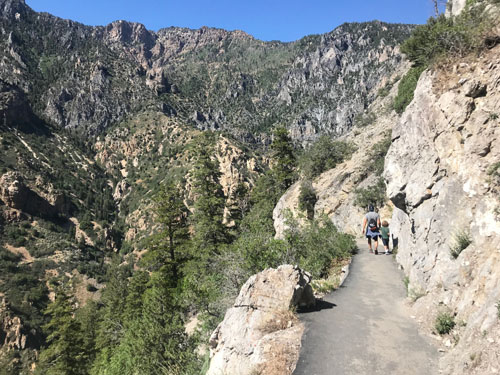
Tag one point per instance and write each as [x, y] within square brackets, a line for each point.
[372, 224]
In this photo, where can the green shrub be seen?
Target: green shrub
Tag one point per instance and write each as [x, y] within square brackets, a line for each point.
[375, 194]
[444, 323]
[440, 37]
[323, 155]
[317, 245]
[307, 199]
[406, 88]
[361, 120]
[494, 170]
[383, 91]
[406, 281]
[378, 153]
[498, 309]
[461, 240]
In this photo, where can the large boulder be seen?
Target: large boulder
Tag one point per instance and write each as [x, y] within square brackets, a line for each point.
[260, 334]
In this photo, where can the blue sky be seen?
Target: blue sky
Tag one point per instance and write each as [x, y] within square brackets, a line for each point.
[284, 20]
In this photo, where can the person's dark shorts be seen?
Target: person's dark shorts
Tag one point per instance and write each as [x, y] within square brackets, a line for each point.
[373, 237]
[385, 241]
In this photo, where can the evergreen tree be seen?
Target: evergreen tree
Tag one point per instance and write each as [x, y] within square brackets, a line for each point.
[155, 341]
[87, 317]
[164, 342]
[209, 230]
[111, 325]
[201, 278]
[136, 288]
[63, 355]
[240, 204]
[166, 246]
[285, 160]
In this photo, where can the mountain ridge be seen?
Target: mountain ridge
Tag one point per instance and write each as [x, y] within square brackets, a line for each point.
[211, 78]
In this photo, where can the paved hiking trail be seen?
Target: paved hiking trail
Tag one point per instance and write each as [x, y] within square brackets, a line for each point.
[364, 327]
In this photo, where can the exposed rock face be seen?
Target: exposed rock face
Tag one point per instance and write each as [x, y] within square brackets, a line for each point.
[13, 105]
[15, 194]
[154, 141]
[455, 7]
[11, 336]
[439, 176]
[259, 334]
[98, 75]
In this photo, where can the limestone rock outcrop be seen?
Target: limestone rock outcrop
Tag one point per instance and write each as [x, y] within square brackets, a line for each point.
[260, 334]
[17, 195]
[442, 175]
[454, 7]
[11, 335]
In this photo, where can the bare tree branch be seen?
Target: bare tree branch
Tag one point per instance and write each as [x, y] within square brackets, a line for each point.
[436, 4]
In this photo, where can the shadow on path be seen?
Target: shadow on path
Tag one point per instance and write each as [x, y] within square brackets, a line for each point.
[320, 305]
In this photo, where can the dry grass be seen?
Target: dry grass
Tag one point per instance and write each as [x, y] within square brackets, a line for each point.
[332, 282]
[280, 320]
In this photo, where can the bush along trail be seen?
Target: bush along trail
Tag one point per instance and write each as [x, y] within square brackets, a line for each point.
[364, 327]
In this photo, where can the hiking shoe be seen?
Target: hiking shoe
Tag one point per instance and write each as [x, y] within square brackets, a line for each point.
[371, 251]
[387, 253]
[376, 252]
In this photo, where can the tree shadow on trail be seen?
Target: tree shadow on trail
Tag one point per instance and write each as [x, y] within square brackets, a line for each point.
[320, 305]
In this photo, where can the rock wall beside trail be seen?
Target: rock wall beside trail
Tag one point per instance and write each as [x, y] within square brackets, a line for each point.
[442, 176]
[260, 334]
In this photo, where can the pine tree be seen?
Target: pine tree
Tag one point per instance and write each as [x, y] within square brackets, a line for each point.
[166, 247]
[155, 341]
[201, 278]
[209, 230]
[240, 204]
[162, 333]
[63, 355]
[87, 317]
[111, 325]
[285, 160]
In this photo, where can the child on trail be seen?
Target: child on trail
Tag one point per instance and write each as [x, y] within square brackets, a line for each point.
[384, 233]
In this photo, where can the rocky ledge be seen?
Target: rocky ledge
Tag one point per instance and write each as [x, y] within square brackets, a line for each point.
[261, 334]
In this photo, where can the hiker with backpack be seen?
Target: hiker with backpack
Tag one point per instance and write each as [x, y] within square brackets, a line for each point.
[371, 225]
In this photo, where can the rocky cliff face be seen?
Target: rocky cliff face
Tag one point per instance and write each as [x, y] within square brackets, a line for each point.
[146, 149]
[91, 77]
[442, 175]
[455, 7]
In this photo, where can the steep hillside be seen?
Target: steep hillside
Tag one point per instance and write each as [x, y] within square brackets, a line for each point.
[147, 149]
[90, 77]
[55, 213]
